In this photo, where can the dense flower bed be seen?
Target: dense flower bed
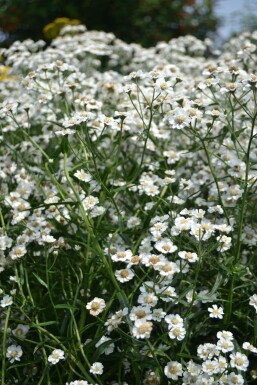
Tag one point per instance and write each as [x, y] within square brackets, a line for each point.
[128, 222]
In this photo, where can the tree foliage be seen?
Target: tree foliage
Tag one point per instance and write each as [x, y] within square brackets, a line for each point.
[141, 21]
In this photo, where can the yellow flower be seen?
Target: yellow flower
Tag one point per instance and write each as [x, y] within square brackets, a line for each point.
[52, 29]
[4, 73]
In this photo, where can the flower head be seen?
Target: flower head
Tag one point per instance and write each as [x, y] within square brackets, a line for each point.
[216, 312]
[96, 306]
[173, 370]
[97, 368]
[6, 301]
[56, 356]
[14, 353]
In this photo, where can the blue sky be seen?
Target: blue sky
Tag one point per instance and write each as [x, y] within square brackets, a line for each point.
[230, 11]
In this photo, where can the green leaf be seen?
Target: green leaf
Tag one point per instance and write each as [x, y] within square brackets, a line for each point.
[64, 306]
[64, 145]
[40, 281]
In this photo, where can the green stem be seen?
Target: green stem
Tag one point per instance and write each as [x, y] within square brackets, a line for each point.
[4, 343]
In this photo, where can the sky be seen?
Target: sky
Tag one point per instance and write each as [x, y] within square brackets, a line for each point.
[231, 11]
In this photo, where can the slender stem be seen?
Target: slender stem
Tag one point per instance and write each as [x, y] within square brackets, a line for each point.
[4, 343]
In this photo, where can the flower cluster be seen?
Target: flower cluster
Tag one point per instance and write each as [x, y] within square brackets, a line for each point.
[128, 217]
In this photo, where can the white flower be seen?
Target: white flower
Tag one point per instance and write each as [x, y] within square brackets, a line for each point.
[167, 269]
[207, 351]
[97, 368]
[253, 301]
[96, 306]
[97, 211]
[250, 347]
[179, 118]
[148, 299]
[133, 222]
[234, 378]
[142, 329]
[165, 246]
[225, 345]
[225, 335]
[116, 319]
[6, 301]
[82, 175]
[14, 353]
[158, 314]
[142, 313]
[90, 202]
[109, 348]
[124, 275]
[64, 132]
[173, 370]
[174, 320]
[20, 331]
[122, 256]
[177, 332]
[210, 367]
[187, 255]
[222, 364]
[56, 356]
[216, 312]
[48, 238]
[239, 361]
[17, 252]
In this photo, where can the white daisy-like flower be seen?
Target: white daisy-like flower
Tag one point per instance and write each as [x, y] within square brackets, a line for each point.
[253, 301]
[158, 314]
[239, 361]
[17, 252]
[56, 356]
[250, 347]
[122, 256]
[97, 368]
[133, 222]
[124, 275]
[234, 378]
[14, 353]
[20, 331]
[109, 348]
[89, 202]
[174, 320]
[148, 299]
[167, 269]
[225, 335]
[64, 132]
[6, 301]
[177, 332]
[165, 246]
[210, 367]
[82, 175]
[48, 238]
[173, 370]
[216, 312]
[97, 211]
[96, 306]
[207, 351]
[188, 256]
[225, 345]
[142, 313]
[142, 329]
[116, 319]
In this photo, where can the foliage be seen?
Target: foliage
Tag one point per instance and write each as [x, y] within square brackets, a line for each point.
[143, 21]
